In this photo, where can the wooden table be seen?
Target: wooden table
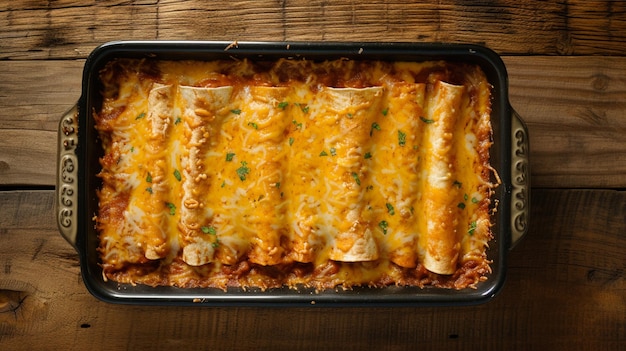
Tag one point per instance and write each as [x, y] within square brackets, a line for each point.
[566, 286]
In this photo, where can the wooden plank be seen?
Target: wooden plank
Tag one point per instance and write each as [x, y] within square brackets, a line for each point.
[71, 29]
[27, 157]
[35, 94]
[574, 107]
[565, 290]
[576, 114]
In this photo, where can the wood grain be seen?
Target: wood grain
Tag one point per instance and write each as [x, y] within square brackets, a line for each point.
[69, 29]
[565, 290]
[576, 115]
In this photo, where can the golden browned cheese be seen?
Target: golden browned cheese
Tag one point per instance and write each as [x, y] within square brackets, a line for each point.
[294, 173]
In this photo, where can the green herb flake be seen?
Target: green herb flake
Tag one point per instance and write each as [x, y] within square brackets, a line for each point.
[291, 140]
[474, 200]
[356, 178]
[323, 153]
[426, 120]
[383, 225]
[209, 230]
[149, 190]
[177, 121]
[297, 124]
[302, 106]
[132, 149]
[253, 125]
[216, 243]
[367, 155]
[177, 175]
[401, 138]
[243, 170]
[140, 116]
[230, 156]
[472, 228]
[333, 151]
[349, 115]
[236, 111]
[149, 178]
[385, 111]
[375, 126]
[390, 209]
[461, 205]
[172, 208]
[457, 184]
[283, 105]
[223, 184]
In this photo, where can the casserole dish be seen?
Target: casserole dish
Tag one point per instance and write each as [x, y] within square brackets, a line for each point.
[80, 150]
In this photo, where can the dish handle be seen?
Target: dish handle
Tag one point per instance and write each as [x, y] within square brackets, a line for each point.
[520, 179]
[67, 176]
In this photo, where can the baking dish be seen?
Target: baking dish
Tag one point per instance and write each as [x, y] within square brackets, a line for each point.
[79, 151]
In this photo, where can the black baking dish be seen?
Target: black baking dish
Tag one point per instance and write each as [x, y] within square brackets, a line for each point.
[79, 150]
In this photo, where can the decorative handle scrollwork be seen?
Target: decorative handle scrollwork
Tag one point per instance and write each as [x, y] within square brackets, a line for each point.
[67, 181]
[520, 179]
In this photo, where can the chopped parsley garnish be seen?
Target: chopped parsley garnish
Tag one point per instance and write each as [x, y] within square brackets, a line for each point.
[253, 125]
[283, 105]
[323, 153]
[297, 124]
[229, 156]
[375, 126]
[457, 184]
[209, 230]
[401, 138]
[172, 208]
[356, 178]
[177, 175]
[303, 107]
[426, 120]
[178, 120]
[367, 155]
[472, 228]
[149, 190]
[291, 141]
[236, 111]
[140, 116]
[461, 205]
[243, 170]
[149, 178]
[390, 209]
[333, 151]
[474, 200]
[385, 111]
[349, 115]
[216, 243]
[383, 225]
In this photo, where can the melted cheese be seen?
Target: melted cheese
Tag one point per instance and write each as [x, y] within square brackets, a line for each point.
[294, 173]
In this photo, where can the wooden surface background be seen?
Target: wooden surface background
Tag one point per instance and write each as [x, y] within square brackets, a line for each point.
[566, 285]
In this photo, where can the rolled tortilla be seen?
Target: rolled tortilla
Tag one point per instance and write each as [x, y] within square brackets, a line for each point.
[398, 136]
[266, 121]
[440, 240]
[350, 112]
[160, 102]
[202, 112]
[308, 230]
